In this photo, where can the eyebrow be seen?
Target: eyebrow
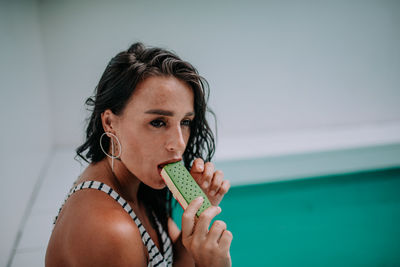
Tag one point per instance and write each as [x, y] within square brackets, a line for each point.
[166, 112]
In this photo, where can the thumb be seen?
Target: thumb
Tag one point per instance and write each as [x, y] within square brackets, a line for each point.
[197, 170]
[197, 167]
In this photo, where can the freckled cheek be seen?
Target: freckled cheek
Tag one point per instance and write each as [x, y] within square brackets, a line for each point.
[133, 145]
[129, 150]
[186, 137]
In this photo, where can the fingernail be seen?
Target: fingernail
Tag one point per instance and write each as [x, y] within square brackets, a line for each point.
[200, 198]
[205, 184]
[212, 193]
[200, 167]
[219, 209]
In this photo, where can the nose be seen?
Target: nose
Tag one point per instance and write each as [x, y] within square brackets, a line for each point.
[176, 140]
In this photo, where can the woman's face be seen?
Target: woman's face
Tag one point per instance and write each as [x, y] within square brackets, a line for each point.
[154, 127]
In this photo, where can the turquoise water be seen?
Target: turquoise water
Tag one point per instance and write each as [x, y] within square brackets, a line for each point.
[344, 220]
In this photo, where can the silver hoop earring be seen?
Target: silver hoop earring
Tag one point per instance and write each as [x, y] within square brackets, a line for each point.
[112, 148]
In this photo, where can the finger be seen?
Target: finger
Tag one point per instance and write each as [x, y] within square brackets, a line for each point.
[224, 188]
[189, 217]
[216, 182]
[226, 240]
[207, 175]
[204, 220]
[216, 231]
[198, 166]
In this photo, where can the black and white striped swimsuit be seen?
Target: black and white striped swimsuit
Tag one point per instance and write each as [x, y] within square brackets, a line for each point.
[155, 256]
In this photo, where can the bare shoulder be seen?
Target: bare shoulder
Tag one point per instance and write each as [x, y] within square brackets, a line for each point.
[93, 229]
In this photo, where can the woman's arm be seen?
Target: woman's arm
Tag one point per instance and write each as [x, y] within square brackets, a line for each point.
[117, 244]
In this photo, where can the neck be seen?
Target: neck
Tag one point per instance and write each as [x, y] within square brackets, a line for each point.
[126, 183]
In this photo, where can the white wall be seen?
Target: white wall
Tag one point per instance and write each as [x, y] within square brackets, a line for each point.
[25, 136]
[275, 67]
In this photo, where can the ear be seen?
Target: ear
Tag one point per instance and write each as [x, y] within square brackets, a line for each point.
[109, 121]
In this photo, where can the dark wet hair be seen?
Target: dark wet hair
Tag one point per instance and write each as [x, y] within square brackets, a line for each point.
[119, 80]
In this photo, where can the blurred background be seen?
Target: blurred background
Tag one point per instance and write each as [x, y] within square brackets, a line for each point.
[306, 95]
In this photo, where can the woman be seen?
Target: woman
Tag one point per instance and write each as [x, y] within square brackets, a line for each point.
[149, 110]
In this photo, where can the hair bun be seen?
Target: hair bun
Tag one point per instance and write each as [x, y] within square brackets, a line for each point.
[137, 49]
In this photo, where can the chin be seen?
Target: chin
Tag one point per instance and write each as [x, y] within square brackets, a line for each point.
[160, 187]
[158, 183]
[156, 186]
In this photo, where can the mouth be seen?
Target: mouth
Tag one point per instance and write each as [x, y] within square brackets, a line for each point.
[161, 166]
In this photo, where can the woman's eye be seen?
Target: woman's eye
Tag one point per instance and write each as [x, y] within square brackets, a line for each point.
[186, 123]
[157, 123]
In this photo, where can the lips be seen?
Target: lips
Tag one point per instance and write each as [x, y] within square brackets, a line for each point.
[160, 166]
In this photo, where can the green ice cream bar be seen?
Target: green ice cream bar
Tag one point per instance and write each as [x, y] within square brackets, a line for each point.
[182, 185]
